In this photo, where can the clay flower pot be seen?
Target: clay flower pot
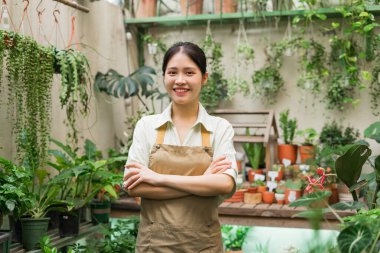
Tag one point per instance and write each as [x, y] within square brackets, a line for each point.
[261, 188]
[146, 8]
[307, 153]
[268, 197]
[291, 195]
[287, 151]
[280, 198]
[228, 6]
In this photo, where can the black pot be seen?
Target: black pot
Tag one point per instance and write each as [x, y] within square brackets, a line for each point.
[69, 223]
[15, 227]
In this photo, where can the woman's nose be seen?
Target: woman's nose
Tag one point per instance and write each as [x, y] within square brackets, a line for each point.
[180, 79]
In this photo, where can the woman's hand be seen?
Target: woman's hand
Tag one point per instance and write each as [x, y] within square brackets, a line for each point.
[136, 173]
[219, 165]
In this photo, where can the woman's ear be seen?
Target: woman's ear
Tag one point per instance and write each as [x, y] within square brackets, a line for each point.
[204, 78]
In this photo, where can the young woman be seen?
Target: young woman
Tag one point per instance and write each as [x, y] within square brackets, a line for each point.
[181, 163]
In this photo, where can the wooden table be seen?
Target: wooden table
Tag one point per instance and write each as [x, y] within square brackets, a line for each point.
[268, 215]
[61, 244]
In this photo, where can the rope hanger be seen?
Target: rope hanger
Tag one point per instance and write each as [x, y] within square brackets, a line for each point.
[74, 5]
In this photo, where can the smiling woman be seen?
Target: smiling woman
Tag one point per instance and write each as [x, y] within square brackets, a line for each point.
[181, 163]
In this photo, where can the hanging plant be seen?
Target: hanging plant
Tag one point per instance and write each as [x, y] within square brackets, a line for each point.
[75, 77]
[216, 88]
[267, 82]
[156, 47]
[30, 75]
[344, 82]
[312, 62]
[2, 56]
[244, 57]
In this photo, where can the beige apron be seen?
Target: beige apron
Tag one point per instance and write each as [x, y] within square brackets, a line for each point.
[188, 224]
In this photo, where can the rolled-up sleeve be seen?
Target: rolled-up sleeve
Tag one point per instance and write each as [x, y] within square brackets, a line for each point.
[224, 146]
[139, 150]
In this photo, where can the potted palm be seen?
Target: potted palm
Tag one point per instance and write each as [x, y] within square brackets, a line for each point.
[307, 149]
[287, 150]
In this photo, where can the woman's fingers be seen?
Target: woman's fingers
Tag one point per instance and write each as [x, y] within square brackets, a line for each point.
[131, 180]
[135, 183]
[130, 172]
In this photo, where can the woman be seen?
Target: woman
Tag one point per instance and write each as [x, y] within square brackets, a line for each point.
[181, 163]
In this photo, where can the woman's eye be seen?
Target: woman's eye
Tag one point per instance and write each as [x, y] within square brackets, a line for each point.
[171, 73]
[189, 73]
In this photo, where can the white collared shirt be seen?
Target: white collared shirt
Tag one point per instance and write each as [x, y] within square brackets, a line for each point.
[221, 135]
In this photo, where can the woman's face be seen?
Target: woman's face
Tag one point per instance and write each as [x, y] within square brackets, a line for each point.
[183, 79]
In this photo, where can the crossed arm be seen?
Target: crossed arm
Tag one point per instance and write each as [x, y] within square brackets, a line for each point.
[140, 181]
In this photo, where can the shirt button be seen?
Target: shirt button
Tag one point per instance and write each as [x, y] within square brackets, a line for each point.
[157, 146]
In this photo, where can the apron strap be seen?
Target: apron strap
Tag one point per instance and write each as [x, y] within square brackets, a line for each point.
[162, 129]
[205, 137]
[161, 134]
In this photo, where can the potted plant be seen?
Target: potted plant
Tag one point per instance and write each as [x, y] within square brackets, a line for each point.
[82, 178]
[287, 150]
[267, 83]
[146, 8]
[225, 6]
[234, 237]
[268, 197]
[14, 182]
[307, 148]
[292, 190]
[191, 7]
[280, 196]
[261, 187]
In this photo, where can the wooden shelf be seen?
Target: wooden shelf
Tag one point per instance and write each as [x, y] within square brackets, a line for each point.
[231, 17]
[239, 213]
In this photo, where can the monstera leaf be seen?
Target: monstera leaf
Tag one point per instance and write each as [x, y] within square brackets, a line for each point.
[349, 166]
[373, 132]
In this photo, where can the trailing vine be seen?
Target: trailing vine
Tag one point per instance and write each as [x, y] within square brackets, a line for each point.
[2, 55]
[74, 69]
[312, 62]
[216, 88]
[30, 76]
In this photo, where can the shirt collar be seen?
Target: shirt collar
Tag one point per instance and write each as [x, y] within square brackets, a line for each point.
[166, 116]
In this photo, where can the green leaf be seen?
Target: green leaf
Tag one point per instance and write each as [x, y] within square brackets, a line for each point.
[349, 166]
[373, 132]
[335, 25]
[132, 86]
[90, 149]
[321, 16]
[65, 148]
[355, 205]
[369, 27]
[358, 185]
[111, 190]
[308, 199]
[354, 239]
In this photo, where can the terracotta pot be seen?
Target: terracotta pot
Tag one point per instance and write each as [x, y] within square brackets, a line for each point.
[146, 8]
[195, 7]
[307, 153]
[261, 188]
[287, 151]
[280, 198]
[268, 197]
[251, 174]
[239, 165]
[252, 189]
[291, 195]
[228, 6]
[238, 196]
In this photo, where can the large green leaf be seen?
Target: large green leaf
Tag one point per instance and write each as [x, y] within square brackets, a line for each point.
[311, 198]
[354, 239]
[349, 166]
[377, 169]
[90, 149]
[65, 148]
[373, 131]
[355, 205]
